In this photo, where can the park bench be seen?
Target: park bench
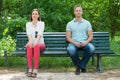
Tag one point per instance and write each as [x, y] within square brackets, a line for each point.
[56, 45]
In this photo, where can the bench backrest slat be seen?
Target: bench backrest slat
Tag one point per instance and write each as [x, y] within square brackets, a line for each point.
[57, 41]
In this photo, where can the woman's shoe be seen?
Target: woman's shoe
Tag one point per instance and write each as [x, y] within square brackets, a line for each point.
[34, 75]
[29, 74]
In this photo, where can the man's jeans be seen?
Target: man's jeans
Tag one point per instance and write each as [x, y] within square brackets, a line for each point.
[73, 53]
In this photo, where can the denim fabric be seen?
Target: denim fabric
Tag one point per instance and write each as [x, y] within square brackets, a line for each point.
[73, 53]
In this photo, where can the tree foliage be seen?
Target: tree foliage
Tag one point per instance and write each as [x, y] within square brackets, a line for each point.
[114, 15]
[103, 14]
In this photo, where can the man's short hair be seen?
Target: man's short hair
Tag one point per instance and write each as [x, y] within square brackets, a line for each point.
[78, 5]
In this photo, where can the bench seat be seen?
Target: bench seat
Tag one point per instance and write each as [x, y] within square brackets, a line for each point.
[56, 45]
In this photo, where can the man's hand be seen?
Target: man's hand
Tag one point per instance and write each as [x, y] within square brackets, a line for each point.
[84, 44]
[78, 44]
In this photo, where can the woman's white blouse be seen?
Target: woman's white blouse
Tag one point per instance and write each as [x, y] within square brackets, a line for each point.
[30, 30]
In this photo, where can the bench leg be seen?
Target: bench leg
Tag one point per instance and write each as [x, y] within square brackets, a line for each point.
[5, 58]
[93, 60]
[99, 67]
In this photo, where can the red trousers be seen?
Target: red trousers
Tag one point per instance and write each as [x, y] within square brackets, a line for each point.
[33, 54]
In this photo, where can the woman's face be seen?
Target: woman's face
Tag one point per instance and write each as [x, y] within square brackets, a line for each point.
[35, 15]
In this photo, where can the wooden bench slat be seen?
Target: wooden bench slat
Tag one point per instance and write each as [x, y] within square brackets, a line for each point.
[58, 40]
[56, 45]
[104, 51]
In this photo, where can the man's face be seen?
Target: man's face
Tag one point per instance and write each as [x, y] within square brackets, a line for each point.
[78, 11]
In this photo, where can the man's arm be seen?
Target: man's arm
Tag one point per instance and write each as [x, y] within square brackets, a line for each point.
[90, 37]
[70, 40]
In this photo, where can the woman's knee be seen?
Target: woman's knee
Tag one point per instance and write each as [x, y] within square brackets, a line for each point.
[40, 46]
[28, 46]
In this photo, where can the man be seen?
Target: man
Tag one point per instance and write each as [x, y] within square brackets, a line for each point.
[79, 35]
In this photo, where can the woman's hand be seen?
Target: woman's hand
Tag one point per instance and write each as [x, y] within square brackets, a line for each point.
[35, 43]
[36, 40]
[30, 44]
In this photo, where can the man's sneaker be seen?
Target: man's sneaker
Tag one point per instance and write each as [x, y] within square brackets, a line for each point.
[77, 72]
[83, 70]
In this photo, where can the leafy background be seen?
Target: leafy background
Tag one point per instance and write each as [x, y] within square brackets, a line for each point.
[104, 15]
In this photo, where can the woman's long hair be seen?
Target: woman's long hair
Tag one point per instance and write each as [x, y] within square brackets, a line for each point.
[39, 18]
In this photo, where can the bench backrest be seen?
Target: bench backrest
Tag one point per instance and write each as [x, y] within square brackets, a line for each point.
[56, 42]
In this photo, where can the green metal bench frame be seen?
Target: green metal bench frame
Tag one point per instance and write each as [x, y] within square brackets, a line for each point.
[56, 45]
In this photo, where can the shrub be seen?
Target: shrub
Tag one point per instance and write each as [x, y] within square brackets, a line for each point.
[8, 44]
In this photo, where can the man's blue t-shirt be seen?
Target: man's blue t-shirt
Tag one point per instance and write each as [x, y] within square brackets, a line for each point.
[79, 29]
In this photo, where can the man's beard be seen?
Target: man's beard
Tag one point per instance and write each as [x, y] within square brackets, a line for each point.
[78, 16]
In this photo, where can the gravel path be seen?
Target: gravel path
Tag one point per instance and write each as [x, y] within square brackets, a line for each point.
[108, 75]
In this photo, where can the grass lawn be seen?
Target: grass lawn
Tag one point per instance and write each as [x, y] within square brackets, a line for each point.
[64, 63]
[57, 64]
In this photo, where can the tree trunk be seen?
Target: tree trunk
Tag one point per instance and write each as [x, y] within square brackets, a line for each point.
[0, 6]
[113, 30]
[113, 14]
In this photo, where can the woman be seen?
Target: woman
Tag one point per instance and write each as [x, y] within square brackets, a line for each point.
[34, 30]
